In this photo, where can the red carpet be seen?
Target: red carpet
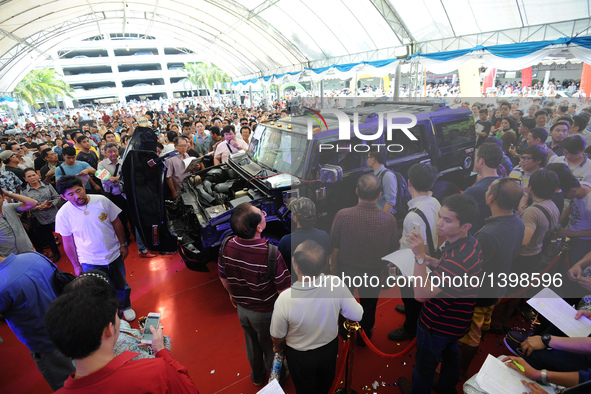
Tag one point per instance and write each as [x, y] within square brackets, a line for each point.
[207, 338]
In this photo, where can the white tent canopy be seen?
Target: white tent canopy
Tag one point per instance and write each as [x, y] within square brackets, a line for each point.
[253, 38]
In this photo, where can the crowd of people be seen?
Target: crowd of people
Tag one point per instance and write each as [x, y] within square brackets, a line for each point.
[62, 176]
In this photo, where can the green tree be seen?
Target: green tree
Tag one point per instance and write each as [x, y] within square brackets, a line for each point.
[44, 84]
[207, 75]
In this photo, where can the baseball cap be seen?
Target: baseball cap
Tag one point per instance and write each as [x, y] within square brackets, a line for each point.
[6, 154]
[303, 208]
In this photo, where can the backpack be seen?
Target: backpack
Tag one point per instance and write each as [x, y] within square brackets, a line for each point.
[402, 193]
[272, 251]
[550, 247]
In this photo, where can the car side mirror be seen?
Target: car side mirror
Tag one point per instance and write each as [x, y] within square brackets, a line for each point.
[331, 174]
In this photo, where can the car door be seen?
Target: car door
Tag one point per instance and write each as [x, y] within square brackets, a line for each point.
[456, 140]
[143, 178]
[404, 152]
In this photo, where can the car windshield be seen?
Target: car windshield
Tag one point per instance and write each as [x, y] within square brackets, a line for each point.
[280, 150]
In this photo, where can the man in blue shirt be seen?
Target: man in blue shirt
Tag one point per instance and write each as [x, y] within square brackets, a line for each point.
[303, 214]
[387, 200]
[71, 166]
[487, 159]
[25, 295]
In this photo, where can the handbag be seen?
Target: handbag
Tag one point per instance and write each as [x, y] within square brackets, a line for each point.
[59, 278]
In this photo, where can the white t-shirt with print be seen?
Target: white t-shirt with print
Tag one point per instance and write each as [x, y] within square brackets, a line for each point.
[94, 235]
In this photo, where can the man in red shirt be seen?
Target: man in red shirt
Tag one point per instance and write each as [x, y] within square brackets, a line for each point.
[84, 325]
[243, 270]
[105, 118]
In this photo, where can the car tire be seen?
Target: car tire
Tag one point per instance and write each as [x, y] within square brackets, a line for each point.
[443, 189]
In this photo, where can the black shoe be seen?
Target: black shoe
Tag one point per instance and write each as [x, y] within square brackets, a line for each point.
[513, 347]
[517, 336]
[400, 334]
[400, 309]
[56, 257]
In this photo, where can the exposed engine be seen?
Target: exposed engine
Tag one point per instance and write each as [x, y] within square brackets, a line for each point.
[216, 191]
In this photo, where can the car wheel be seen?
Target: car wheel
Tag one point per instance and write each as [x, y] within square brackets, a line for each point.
[443, 189]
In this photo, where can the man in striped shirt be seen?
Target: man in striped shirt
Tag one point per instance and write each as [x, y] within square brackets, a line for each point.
[243, 270]
[448, 294]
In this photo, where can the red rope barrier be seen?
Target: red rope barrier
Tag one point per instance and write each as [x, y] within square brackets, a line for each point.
[340, 367]
[382, 354]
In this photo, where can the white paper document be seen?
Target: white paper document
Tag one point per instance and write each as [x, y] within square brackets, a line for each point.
[272, 388]
[404, 259]
[497, 378]
[561, 314]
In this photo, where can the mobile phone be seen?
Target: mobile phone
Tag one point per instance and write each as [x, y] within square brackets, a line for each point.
[415, 227]
[152, 320]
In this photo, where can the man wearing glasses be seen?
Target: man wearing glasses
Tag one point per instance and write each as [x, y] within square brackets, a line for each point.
[176, 166]
[532, 159]
[23, 161]
[244, 267]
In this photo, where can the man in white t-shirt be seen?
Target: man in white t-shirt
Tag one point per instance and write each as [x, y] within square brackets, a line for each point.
[574, 157]
[93, 236]
[579, 219]
[421, 177]
[305, 318]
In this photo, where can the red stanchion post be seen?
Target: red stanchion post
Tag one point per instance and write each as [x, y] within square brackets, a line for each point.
[352, 327]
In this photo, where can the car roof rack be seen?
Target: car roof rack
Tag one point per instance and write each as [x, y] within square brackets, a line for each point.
[426, 106]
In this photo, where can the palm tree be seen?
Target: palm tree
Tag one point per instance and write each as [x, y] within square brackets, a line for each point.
[206, 74]
[43, 84]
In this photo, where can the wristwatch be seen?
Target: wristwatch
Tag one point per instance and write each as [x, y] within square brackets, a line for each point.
[123, 244]
[420, 261]
[544, 376]
[546, 341]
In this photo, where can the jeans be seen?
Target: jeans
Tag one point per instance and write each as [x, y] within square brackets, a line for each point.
[116, 273]
[433, 348]
[313, 371]
[561, 361]
[259, 346]
[54, 366]
[138, 240]
[412, 309]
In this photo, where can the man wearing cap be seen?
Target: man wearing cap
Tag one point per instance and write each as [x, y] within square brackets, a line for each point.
[303, 216]
[10, 161]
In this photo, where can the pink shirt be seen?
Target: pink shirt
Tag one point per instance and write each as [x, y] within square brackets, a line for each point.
[176, 170]
[223, 150]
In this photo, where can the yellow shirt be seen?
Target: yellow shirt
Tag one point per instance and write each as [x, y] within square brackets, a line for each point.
[78, 150]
